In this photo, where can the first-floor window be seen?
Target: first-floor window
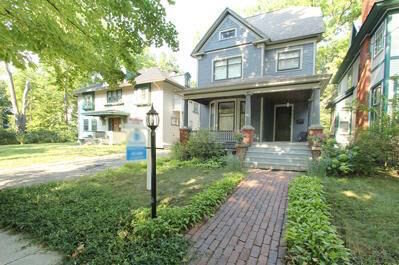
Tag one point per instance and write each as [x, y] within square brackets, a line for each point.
[85, 125]
[288, 60]
[94, 125]
[175, 119]
[226, 116]
[375, 103]
[195, 107]
[227, 68]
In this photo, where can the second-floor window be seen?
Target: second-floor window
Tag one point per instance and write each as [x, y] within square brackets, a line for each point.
[227, 68]
[288, 60]
[88, 101]
[349, 80]
[142, 94]
[378, 41]
[227, 34]
[114, 96]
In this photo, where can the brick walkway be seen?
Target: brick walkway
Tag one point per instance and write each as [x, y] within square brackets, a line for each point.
[247, 229]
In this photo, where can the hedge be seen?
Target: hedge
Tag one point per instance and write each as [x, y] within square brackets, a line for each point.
[160, 240]
[310, 236]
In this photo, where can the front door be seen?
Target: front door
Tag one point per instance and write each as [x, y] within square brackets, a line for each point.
[283, 123]
[114, 124]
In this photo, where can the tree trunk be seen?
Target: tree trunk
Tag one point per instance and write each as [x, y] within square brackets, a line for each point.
[20, 116]
[66, 105]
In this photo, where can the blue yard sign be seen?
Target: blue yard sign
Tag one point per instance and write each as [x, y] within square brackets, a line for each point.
[136, 145]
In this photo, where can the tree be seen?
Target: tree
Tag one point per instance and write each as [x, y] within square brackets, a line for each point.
[338, 18]
[91, 36]
[5, 105]
[19, 113]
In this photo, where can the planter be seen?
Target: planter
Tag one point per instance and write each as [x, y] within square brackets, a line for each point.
[241, 151]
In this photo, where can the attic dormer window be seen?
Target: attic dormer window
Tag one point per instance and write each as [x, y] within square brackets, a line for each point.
[227, 34]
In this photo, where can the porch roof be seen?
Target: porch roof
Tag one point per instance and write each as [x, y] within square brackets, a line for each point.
[258, 86]
[106, 113]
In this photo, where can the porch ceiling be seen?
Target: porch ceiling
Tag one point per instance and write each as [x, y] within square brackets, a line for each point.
[257, 86]
[106, 113]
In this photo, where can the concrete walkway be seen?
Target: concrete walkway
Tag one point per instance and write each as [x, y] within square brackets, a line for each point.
[14, 250]
[247, 229]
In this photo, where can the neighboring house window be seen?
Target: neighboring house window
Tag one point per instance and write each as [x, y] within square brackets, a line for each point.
[227, 68]
[288, 60]
[344, 126]
[142, 94]
[88, 101]
[175, 119]
[195, 107]
[378, 44]
[94, 125]
[114, 96]
[226, 116]
[375, 103]
[227, 34]
[349, 79]
[85, 125]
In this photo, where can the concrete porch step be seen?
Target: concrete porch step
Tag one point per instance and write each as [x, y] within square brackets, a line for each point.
[277, 166]
[279, 152]
[284, 160]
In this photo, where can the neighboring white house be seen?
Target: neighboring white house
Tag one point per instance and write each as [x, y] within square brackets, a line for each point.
[106, 115]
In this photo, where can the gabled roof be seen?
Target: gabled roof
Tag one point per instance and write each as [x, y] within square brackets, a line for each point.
[289, 23]
[146, 76]
[219, 20]
[284, 24]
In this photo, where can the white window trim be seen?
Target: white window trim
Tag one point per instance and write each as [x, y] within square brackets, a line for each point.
[292, 120]
[225, 30]
[237, 102]
[226, 58]
[288, 49]
[374, 42]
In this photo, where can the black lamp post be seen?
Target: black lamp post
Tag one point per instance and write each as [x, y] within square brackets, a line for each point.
[152, 123]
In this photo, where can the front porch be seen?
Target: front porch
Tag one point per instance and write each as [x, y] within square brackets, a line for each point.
[273, 113]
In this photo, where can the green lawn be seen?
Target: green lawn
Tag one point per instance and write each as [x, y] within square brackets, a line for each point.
[90, 211]
[12, 156]
[366, 213]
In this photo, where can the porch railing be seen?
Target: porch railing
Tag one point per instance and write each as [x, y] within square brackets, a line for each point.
[221, 136]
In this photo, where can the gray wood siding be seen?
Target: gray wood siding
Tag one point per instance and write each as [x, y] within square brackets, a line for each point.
[244, 35]
[307, 64]
[251, 60]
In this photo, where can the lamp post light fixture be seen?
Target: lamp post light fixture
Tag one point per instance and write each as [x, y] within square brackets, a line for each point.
[152, 120]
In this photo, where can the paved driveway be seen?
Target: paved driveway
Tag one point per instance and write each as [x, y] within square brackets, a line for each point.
[61, 170]
[247, 229]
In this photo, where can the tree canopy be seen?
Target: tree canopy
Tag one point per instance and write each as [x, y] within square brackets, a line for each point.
[101, 36]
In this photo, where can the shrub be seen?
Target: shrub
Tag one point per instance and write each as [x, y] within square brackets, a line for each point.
[48, 136]
[311, 238]
[232, 163]
[201, 145]
[159, 241]
[7, 136]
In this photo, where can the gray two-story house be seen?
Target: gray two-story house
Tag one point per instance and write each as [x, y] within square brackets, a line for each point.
[259, 73]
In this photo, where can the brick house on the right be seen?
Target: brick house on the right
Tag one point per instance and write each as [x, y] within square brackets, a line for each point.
[369, 71]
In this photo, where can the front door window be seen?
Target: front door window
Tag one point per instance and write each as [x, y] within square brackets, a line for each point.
[114, 124]
[283, 120]
[226, 116]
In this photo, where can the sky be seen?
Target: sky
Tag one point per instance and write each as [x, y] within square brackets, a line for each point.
[192, 19]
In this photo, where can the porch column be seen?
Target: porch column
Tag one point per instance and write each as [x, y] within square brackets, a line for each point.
[315, 109]
[248, 111]
[248, 131]
[315, 130]
[185, 113]
[184, 131]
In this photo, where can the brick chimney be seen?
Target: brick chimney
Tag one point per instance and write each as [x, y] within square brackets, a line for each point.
[363, 85]
[366, 7]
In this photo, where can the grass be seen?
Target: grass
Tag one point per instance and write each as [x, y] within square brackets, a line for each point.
[81, 218]
[12, 156]
[366, 213]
